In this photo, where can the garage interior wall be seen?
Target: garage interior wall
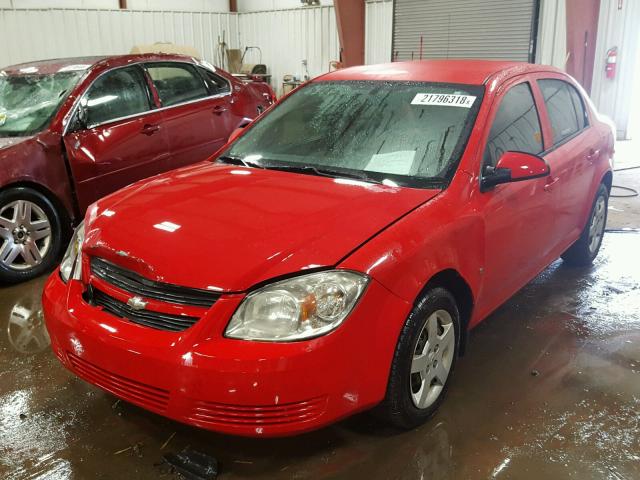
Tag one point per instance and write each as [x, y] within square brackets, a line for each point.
[618, 26]
[285, 37]
[378, 26]
[551, 48]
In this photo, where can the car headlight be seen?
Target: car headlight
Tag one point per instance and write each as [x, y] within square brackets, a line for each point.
[70, 265]
[298, 308]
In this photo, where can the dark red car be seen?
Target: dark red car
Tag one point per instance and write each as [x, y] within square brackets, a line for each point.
[73, 130]
[334, 256]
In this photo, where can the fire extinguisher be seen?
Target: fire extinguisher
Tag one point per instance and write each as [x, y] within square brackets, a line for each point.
[610, 66]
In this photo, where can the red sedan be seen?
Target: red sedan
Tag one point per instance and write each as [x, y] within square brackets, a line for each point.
[74, 130]
[333, 257]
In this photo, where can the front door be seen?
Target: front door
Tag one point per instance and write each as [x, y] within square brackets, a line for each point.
[195, 120]
[121, 139]
[516, 216]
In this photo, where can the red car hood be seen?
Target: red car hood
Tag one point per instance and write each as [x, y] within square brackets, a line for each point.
[228, 228]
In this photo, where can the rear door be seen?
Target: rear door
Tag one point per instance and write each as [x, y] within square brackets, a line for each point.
[195, 119]
[121, 139]
[571, 157]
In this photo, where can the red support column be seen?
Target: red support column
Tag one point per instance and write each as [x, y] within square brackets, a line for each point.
[350, 21]
[233, 5]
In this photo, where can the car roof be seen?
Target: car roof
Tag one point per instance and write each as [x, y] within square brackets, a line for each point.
[476, 72]
[84, 63]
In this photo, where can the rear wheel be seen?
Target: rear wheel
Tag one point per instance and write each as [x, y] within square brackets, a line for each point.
[30, 234]
[424, 360]
[586, 248]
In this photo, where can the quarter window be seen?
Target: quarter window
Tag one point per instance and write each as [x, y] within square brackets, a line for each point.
[116, 94]
[177, 83]
[216, 84]
[565, 108]
[516, 126]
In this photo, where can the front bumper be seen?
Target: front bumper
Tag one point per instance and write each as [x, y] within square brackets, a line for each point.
[233, 386]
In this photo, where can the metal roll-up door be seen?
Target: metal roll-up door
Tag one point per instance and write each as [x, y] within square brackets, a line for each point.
[494, 29]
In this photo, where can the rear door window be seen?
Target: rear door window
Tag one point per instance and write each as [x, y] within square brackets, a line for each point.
[177, 83]
[564, 106]
[516, 126]
[116, 94]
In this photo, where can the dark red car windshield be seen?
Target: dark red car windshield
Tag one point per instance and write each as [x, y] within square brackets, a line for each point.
[28, 101]
[408, 133]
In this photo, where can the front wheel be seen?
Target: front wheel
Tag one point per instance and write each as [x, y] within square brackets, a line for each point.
[586, 248]
[30, 234]
[423, 362]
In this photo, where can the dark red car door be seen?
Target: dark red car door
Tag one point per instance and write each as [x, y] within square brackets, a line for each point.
[195, 118]
[116, 138]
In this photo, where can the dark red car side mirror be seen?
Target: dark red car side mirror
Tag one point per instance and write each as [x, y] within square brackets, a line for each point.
[235, 134]
[514, 167]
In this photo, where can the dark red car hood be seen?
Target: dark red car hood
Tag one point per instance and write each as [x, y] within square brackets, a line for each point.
[228, 228]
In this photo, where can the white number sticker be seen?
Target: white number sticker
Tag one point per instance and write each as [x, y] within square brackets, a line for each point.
[445, 99]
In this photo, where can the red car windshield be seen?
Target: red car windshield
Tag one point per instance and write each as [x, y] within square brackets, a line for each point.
[29, 101]
[404, 133]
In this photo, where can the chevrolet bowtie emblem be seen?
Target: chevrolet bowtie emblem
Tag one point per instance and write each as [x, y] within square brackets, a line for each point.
[137, 303]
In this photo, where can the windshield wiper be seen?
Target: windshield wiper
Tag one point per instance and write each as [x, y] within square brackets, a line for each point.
[232, 160]
[322, 172]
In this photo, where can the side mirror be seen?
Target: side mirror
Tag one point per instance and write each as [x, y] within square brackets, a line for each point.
[235, 134]
[514, 167]
[243, 123]
[81, 118]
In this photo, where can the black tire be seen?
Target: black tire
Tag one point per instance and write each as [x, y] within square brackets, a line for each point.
[398, 408]
[9, 274]
[583, 252]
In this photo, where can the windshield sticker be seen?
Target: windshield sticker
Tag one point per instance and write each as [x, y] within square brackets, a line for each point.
[3, 118]
[398, 163]
[444, 99]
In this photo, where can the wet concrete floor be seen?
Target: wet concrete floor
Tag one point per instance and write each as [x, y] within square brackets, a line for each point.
[549, 388]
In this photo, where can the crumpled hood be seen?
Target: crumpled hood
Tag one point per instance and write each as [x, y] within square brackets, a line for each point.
[6, 142]
[228, 228]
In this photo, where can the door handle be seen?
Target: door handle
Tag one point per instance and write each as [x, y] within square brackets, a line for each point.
[219, 110]
[150, 129]
[592, 155]
[549, 185]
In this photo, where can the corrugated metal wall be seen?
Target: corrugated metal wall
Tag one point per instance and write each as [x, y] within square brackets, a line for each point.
[286, 37]
[379, 23]
[28, 35]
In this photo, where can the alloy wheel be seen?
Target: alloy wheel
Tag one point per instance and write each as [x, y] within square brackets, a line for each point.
[596, 228]
[25, 235]
[432, 359]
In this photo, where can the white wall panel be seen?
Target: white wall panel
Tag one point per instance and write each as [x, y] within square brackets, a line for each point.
[68, 32]
[286, 37]
[260, 5]
[617, 27]
[552, 34]
[166, 5]
[378, 31]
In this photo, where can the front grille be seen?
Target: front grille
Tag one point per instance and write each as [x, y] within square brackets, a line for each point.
[148, 318]
[213, 414]
[135, 392]
[133, 283]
